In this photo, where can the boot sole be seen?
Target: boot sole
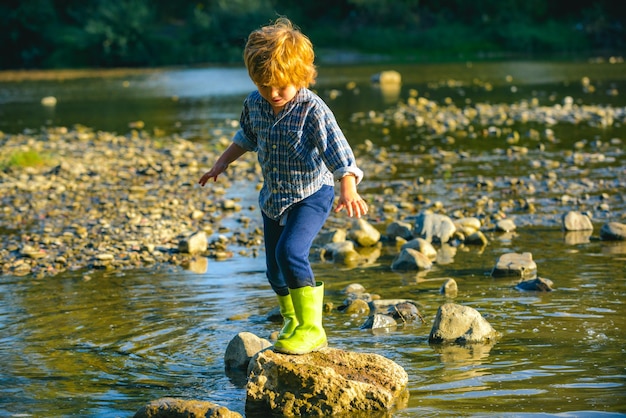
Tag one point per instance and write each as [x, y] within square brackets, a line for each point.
[300, 352]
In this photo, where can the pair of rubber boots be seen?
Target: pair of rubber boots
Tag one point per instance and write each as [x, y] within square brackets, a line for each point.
[302, 330]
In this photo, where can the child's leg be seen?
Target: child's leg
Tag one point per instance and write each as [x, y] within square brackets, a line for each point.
[304, 221]
[272, 231]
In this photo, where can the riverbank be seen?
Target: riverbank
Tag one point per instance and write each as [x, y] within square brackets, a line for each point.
[77, 199]
[87, 200]
[70, 74]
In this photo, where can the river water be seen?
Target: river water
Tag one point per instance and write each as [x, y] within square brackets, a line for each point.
[104, 343]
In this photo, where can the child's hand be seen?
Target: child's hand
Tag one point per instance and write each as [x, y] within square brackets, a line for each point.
[350, 199]
[233, 152]
[355, 207]
[215, 171]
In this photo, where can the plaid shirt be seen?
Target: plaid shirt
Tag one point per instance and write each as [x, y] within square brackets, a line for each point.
[300, 150]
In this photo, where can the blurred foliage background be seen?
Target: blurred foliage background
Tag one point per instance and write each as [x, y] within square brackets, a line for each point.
[148, 33]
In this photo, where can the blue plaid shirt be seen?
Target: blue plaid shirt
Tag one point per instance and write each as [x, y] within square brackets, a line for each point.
[300, 150]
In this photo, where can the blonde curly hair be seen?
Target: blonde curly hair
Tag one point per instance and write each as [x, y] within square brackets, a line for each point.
[279, 54]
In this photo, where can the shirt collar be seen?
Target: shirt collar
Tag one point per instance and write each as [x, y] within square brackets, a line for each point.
[303, 95]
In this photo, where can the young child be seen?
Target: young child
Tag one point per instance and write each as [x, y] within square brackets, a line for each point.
[301, 150]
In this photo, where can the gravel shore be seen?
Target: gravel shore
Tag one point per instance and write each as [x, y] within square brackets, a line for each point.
[100, 200]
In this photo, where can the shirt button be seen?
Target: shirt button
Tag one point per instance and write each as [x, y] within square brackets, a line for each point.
[274, 146]
[274, 191]
[274, 169]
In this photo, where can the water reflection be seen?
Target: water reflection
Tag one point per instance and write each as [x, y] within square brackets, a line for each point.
[198, 265]
[577, 237]
[463, 355]
[614, 248]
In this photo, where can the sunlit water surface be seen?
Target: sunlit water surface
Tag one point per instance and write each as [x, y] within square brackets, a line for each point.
[104, 344]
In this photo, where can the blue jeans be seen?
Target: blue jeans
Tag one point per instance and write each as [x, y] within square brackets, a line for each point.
[287, 246]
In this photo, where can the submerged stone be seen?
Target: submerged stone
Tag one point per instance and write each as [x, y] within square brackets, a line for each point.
[405, 312]
[356, 306]
[173, 408]
[379, 322]
[539, 284]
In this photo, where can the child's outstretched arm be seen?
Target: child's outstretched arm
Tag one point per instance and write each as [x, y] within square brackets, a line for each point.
[231, 153]
[350, 199]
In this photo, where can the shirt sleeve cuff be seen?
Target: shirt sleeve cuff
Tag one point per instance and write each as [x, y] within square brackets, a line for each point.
[357, 172]
[243, 141]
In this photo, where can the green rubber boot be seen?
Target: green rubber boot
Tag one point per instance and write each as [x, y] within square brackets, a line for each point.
[309, 334]
[290, 322]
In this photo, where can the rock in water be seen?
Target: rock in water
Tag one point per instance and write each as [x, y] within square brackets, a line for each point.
[514, 264]
[461, 324]
[576, 221]
[363, 233]
[327, 382]
[410, 259]
[242, 348]
[449, 288]
[539, 284]
[172, 407]
[434, 227]
[613, 231]
[193, 244]
[379, 322]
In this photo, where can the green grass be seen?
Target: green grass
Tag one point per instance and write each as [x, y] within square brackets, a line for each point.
[27, 158]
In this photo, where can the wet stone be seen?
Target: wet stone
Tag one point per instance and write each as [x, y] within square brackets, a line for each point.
[539, 284]
[613, 231]
[410, 259]
[505, 225]
[461, 324]
[434, 227]
[406, 312]
[514, 264]
[576, 221]
[380, 322]
[449, 288]
[173, 407]
[357, 306]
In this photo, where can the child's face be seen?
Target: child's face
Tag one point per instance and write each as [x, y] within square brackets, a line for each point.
[278, 97]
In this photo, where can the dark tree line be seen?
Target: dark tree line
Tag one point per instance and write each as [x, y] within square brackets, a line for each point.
[107, 33]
